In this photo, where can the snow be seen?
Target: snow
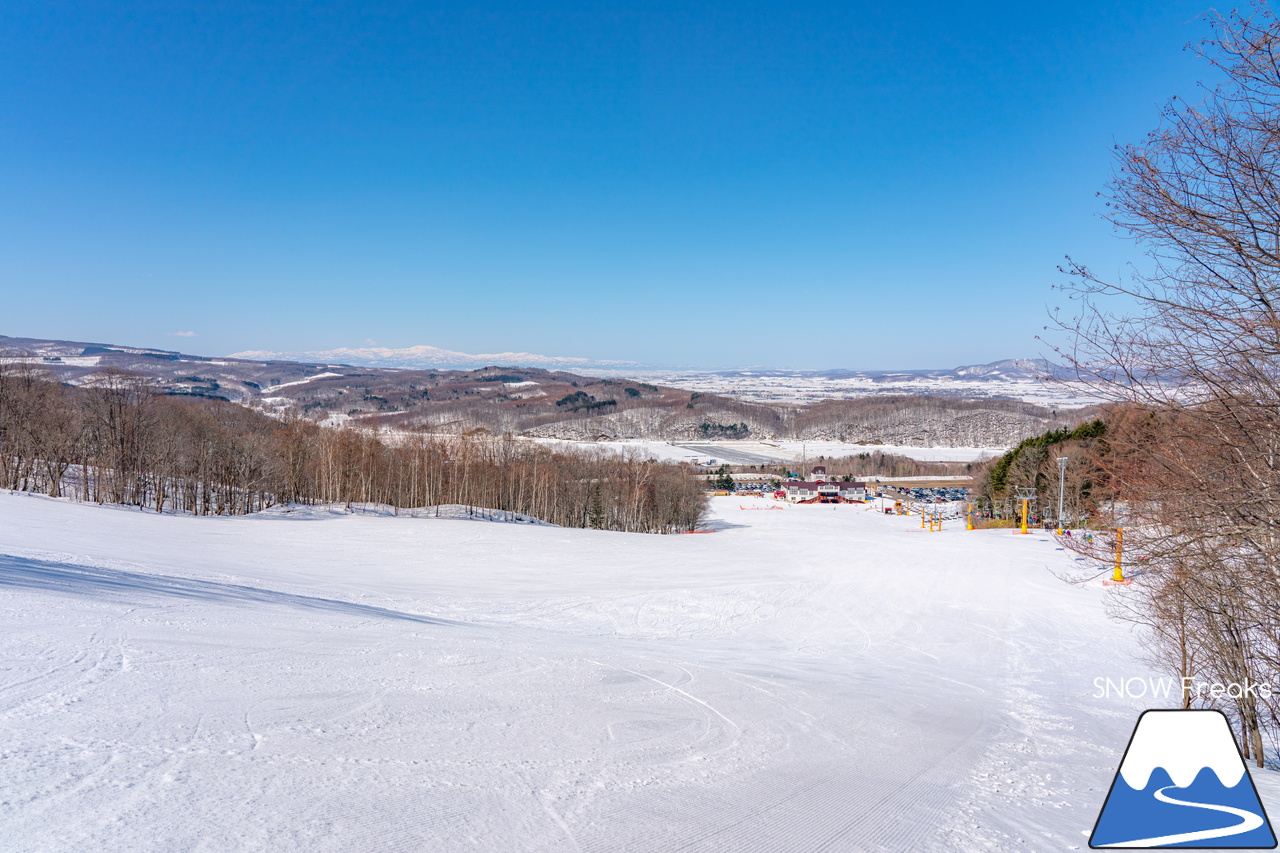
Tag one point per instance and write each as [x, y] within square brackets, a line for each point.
[304, 381]
[62, 360]
[792, 387]
[446, 511]
[336, 420]
[422, 357]
[822, 677]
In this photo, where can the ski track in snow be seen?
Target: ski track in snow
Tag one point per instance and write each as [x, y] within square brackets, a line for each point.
[821, 679]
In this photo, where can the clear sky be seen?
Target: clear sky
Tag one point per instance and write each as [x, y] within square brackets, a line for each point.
[790, 183]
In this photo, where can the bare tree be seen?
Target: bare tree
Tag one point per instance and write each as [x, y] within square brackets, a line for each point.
[130, 446]
[1191, 343]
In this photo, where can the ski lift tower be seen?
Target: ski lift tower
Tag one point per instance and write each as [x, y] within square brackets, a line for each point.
[1025, 495]
[1062, 489]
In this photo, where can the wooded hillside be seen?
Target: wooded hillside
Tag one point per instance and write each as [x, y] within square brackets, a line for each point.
[535, 402]
[118, 441]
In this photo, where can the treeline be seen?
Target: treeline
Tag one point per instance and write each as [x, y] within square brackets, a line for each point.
[1187, 349]
[118, 442]
[880, 464]
[1197, 491]
[1032, 468]
[672, 415]
[1031, 453]
[870, 464]
[926, 421]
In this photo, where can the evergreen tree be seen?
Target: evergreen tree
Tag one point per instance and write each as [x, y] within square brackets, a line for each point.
[723, 480]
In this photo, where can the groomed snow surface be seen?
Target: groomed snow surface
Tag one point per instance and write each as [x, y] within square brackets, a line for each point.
[815, 678]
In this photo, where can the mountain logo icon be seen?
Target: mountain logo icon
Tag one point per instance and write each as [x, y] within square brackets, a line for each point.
[1182, 783]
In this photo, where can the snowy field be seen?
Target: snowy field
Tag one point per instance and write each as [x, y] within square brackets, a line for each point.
[816, 678]
[808, 387]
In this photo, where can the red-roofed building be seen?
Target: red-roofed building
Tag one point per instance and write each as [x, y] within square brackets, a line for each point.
[818, 490]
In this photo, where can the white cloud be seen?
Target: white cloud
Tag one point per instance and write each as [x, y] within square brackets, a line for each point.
[182, 334]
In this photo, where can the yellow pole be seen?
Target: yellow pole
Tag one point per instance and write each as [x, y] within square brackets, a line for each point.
[1025, 501]
[968, 516]
[1118, 575]
[923, 516]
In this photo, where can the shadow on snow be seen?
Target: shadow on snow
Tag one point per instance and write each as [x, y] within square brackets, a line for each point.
[24, 573]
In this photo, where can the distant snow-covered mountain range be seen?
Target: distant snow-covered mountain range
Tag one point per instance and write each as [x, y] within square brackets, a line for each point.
[592, 403]
[1031, 380]
[1005, 370]
[425, 357]
[428, 357]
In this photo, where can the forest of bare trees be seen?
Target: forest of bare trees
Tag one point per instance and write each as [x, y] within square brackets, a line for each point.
[118, 442]
[871, 464]
[926, 421]
[1188, 347]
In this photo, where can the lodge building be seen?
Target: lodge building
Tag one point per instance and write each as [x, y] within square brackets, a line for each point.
[819, 490]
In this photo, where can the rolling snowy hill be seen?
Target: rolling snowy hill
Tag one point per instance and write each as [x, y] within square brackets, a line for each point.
[1029, 380]
[425, 357]
[554, 404]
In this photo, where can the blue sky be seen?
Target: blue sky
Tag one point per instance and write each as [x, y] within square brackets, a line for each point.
[686, 184]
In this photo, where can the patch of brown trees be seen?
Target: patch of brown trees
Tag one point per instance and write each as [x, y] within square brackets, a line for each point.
[875, 463]
[117, 442]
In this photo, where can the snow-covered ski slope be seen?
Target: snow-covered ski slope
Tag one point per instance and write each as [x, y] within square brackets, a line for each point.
[816, 678]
